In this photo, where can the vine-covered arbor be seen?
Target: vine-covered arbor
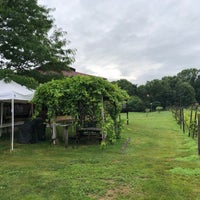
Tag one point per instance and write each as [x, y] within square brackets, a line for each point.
[90, 101]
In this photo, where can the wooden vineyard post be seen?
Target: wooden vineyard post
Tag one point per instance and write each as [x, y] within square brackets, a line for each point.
[190, 120]
[183, 120]
[198, 134]
[180, 117]
[195, 120]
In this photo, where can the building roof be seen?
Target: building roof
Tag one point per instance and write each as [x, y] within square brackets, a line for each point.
[71, 72]
[74, 73]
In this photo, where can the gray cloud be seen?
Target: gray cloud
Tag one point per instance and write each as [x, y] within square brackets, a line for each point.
[134, 39]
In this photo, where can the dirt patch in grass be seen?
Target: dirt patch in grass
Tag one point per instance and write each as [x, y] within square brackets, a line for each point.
[116, 192]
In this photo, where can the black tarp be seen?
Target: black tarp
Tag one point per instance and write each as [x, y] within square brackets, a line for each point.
[32, 131]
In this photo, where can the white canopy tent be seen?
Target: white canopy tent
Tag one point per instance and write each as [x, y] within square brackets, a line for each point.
[12, 91]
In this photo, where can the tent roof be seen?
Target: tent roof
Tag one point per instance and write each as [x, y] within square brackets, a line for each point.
[13, 90]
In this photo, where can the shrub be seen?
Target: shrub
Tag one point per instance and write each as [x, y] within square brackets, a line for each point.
[135, 104]
[159, 108]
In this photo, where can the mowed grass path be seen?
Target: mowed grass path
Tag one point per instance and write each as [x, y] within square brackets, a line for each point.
[159, 163]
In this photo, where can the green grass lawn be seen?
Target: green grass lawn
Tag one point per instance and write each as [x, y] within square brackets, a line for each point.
[159, 163]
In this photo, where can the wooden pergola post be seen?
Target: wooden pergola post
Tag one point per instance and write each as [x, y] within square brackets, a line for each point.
[65, 134]
[54, 132]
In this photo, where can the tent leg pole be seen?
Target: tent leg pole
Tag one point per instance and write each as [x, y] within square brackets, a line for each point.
[12, 137]
[1, 119]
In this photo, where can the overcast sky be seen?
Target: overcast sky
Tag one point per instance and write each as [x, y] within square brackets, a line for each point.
[139, 40]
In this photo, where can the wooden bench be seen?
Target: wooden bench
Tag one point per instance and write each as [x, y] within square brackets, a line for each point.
[89, 132]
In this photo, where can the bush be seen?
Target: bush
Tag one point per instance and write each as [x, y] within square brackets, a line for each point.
[135, 104]
[159, 108]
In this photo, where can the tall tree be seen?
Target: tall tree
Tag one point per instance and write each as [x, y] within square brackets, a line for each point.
[157, 91]
[142, 92]
[185, 94]
[127, 86]
[192, 76]
[169, 94]
[25, 42]
[189, 75]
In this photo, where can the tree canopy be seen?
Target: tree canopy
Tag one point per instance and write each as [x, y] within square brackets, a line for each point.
[25, 42]
[126, 85]
[185, 94]
[8, 75]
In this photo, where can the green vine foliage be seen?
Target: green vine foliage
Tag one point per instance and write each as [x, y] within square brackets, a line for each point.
[193, 128]
[109, 130]
[190, 121]
[187, 120]
[64, 96]
[190, 125]
[80, 97]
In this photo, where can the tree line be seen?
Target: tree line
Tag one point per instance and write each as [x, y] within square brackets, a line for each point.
[182, 89]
